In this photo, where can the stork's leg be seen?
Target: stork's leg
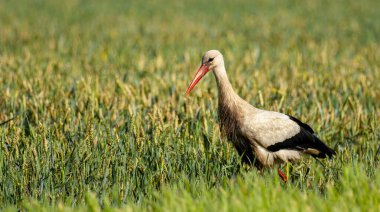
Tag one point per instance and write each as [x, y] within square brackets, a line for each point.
[282, 175]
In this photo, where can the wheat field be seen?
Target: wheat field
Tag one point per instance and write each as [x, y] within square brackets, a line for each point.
[93, 114]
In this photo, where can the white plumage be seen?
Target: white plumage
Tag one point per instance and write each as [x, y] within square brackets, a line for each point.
[268, 128]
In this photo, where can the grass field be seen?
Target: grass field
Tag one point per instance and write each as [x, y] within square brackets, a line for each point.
[93, 113]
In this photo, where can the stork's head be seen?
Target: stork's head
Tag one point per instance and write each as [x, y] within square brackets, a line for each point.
[210, 61]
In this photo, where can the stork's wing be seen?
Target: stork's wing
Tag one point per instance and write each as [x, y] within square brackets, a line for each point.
[275, 131]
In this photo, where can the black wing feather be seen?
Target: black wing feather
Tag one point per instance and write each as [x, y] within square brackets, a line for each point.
[300, 123]
[303, 141]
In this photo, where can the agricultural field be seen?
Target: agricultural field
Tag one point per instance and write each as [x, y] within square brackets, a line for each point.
[93, 114]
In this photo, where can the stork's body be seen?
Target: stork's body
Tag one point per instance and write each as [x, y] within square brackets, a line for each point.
[261, 137]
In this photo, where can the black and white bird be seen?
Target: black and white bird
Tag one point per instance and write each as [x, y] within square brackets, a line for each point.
[261, 137]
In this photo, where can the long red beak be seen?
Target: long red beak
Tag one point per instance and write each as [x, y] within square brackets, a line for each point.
[198, 76]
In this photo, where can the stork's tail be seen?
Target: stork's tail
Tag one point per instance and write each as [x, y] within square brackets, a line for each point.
[323, 149]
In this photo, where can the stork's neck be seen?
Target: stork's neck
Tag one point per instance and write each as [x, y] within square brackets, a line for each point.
[227, 95]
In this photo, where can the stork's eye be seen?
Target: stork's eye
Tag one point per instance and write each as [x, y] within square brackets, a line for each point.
[211, 59]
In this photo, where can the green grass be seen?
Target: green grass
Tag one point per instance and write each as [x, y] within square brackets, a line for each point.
[93, 113]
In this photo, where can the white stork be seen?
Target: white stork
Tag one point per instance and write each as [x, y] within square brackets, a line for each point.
[261, 137]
